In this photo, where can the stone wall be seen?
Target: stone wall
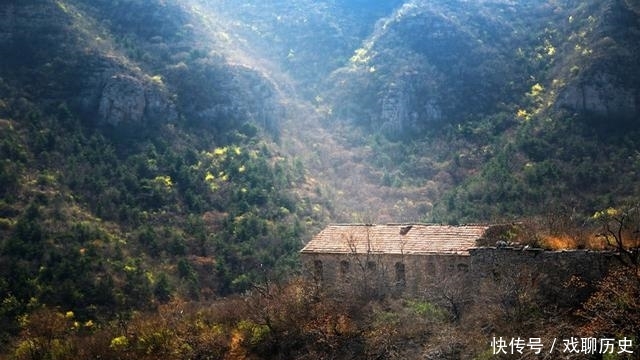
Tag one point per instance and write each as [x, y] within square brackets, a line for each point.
[379, 274]
[560, 277]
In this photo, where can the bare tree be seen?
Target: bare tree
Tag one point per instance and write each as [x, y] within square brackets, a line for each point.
[371, 271]
[621, 231]
[450, 292]
[615, 304]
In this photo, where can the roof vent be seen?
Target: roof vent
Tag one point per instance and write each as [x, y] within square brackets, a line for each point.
[405, 229]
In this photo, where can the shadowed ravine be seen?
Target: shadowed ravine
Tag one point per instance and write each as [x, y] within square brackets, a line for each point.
[336, 167]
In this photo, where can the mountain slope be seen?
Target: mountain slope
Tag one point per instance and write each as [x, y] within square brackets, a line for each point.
[501, 102]
[138, 164]
[185, 149]
[574, 148]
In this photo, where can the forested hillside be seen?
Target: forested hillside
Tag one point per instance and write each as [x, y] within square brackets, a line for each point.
[156, 155]
[502, 108]
[137, 163]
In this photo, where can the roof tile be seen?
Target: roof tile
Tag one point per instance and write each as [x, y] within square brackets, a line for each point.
[389, 239]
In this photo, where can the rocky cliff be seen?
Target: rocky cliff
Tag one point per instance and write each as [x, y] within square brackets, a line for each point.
[434, 63]
[121, 75]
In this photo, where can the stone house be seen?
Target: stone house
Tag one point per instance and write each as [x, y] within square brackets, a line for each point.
[420, 259]
[391, 258]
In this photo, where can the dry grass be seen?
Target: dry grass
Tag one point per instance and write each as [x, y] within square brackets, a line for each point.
[567, 242]
[592, 241]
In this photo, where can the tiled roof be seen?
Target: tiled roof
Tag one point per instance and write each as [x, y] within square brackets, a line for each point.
[396, 239]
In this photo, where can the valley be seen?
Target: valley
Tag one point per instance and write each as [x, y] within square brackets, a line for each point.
[162, 163]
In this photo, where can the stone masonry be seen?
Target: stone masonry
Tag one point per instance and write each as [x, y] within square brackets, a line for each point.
[413, 260]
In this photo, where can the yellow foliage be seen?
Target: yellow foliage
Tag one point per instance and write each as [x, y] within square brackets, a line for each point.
[119, 342]
[149, 276]
[536, 90]
[549, 48]
[255, 332]
[606, 214]
[62, 6]
[25, 349]
[217, 330]
[523, 114]
[164, 180]
[613, 212]
[157, 79]
[221, 151]
[360, 56]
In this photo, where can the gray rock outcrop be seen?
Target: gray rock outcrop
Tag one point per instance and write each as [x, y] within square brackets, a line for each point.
[600, 96]
[123, 101]
[129, 100]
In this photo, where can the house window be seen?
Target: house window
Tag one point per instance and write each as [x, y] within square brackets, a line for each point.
[431, 268]
[317, 270]
[400, 274]
[496, 275]
[344, 267]
[371, 266]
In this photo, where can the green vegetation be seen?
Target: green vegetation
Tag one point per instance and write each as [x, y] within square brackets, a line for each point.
[107, 220]
[159, 173]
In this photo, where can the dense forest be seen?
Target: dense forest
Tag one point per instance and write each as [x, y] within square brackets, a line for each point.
[162, 162]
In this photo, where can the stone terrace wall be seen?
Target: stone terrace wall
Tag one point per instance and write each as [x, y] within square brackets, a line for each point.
[561, 277]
